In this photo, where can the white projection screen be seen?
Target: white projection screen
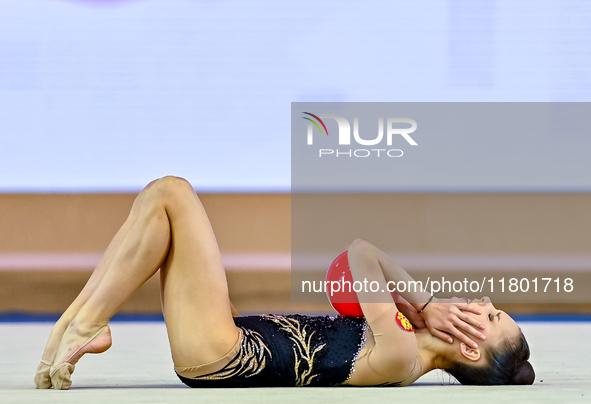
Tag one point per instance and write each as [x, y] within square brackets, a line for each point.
[104, 96]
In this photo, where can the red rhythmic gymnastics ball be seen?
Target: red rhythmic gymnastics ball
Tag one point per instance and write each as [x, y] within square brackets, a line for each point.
[339, 288]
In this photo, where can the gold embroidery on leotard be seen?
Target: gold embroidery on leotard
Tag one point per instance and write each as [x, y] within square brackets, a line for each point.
[304, 354]
[250, 361]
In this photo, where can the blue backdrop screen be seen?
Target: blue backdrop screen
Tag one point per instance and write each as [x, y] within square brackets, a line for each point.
[107, 95]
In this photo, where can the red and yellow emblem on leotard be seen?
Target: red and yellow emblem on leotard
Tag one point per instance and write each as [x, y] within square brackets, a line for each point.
[403, 322]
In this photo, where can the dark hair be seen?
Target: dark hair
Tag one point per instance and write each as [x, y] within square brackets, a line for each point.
[506, 363]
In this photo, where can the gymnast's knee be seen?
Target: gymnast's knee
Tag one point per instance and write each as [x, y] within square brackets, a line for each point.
[169, 187]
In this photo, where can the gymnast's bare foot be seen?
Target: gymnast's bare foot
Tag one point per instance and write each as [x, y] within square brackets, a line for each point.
[78, 340]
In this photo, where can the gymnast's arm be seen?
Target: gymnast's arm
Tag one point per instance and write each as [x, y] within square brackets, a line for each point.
[392, 355]
[442, 317]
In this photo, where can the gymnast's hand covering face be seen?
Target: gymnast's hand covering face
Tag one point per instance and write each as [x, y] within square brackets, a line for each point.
[455, 317]
[499, 324]
[445, 318]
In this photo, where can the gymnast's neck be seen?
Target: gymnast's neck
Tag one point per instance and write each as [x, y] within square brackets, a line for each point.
[433, 352]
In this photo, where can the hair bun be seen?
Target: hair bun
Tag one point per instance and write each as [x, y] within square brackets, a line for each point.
[523, 374]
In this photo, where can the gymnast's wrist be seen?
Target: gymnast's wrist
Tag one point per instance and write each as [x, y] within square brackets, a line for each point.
[423, 300]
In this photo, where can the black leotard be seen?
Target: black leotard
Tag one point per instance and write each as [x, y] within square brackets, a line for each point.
[292, 350]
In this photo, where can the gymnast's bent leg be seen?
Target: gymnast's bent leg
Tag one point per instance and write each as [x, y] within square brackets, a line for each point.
[42, 380]
[171, 231]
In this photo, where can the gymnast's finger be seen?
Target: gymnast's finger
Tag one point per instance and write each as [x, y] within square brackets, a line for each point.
[468, 307]
[463, 337]
[473, 321]
[468, 329]
[441, 335]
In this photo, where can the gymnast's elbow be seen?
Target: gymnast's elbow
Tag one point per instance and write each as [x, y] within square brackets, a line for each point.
[361, 249]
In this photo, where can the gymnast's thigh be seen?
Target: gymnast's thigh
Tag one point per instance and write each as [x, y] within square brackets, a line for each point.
[194, 290]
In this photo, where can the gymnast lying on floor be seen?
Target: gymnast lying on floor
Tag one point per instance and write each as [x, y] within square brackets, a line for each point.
[212, 346]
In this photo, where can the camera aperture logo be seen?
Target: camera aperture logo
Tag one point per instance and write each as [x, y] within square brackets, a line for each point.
[344, 137]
